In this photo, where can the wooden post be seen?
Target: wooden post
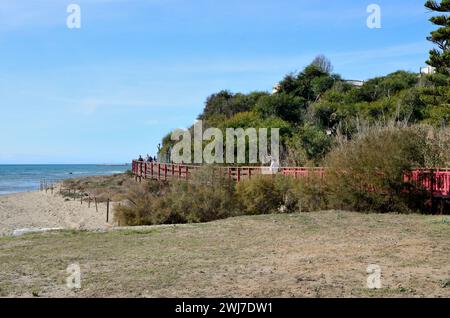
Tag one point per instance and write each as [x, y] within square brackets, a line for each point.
[96, 207]
[431, 179]
[165, 171]
[107, 210]
[238, 174]
[159, 171]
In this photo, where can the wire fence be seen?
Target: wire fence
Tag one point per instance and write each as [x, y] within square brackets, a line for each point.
[55, 187]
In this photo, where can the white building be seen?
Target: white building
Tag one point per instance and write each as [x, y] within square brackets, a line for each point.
[427, 70]
[355, 83]
[276, 88]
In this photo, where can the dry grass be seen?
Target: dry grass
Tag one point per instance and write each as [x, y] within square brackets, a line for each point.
[321, 254]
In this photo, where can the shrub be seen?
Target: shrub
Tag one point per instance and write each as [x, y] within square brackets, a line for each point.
[366, 174]
[206, 197]
[259, 195]
[308, 194]
[271, 194]
[143, 206]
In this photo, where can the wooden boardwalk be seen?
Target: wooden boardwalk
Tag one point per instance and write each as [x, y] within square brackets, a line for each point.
[436, 180]
[167, 172]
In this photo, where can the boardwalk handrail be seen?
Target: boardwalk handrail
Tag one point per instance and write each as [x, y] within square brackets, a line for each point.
[435, 180]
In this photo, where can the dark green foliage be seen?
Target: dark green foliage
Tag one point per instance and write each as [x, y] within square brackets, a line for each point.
[227, 104]
[309, 84]
[287, 107]
[387, 86]
[315, 142]
[440, 56]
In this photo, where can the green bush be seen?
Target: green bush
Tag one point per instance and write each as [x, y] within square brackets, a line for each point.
[307, 195]
[273, 194]
[259, 195]
[208, 196]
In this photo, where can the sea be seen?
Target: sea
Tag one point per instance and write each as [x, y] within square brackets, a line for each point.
[25, 178]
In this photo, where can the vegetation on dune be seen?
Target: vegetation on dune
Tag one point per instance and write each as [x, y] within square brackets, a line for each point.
[367, 173]
[206, 197]
[367, 136]
[313, 108]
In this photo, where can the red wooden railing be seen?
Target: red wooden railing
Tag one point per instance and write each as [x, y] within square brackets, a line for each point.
[437, 180]
[166, 171]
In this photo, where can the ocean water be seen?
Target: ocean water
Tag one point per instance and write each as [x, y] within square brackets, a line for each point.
[24, 178]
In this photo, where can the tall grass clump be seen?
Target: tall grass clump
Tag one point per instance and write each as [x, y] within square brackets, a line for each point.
[209, 195]
[259, 195]
[143, 206]
[366, 173]
[266, 194]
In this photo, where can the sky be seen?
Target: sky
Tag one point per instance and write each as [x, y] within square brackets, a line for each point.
[136, 69]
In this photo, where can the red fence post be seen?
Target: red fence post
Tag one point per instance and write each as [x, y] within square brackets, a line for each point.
[145, 173]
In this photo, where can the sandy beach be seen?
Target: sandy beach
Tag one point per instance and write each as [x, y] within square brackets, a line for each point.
[46, 210]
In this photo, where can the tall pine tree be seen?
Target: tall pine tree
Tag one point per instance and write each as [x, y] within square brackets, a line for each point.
[440, 57]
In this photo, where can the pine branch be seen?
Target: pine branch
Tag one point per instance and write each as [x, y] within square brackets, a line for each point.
[442, 20]
[443, 6]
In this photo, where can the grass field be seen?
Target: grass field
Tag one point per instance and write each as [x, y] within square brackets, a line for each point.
[322, 254]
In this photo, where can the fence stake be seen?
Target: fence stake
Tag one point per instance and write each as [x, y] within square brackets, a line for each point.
[107, 210]
[96, 207]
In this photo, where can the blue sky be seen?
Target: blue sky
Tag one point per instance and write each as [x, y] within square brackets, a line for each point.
[138, 68]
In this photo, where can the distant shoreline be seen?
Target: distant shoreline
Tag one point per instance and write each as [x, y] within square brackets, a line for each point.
[24, 178]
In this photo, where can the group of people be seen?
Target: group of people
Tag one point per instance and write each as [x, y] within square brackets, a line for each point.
[148, 158]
